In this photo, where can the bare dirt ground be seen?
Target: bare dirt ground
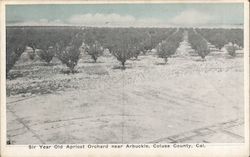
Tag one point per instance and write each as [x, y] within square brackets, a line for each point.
[186, 100]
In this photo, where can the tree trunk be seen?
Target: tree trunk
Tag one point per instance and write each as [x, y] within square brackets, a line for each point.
[166, 60]
[33, 49]
[123, 64]
[234, 49]
[203, 58]
[71, 68]
[94, 58]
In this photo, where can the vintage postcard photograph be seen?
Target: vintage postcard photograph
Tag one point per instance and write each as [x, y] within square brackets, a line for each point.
[135, 75]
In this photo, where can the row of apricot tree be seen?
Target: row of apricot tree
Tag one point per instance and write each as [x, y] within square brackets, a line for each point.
[220, 37]
[168, 47]
[198, 43]
[66, 42]
[50, 41]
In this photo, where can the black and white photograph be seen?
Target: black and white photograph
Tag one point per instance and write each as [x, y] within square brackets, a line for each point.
[125, 73]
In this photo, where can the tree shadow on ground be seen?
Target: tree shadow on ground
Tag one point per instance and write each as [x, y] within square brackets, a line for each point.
[233, 57]
[135, 59]
[199, 60]
[67, 71]
[93, 62]
[160, 63]
[118, 67]
[14, 74]
[34, 64]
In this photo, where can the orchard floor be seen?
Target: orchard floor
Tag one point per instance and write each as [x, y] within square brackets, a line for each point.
[186, 100]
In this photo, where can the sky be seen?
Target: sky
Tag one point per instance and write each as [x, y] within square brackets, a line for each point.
[127, 15]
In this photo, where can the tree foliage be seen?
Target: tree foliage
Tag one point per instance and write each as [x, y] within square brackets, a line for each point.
[46, 39]
[68, 51]
[220, 37]
[153, 36]
[199, 44]
[92, 46]
[15, 45]
[95, 50]
[123, 44]
[169, 46]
